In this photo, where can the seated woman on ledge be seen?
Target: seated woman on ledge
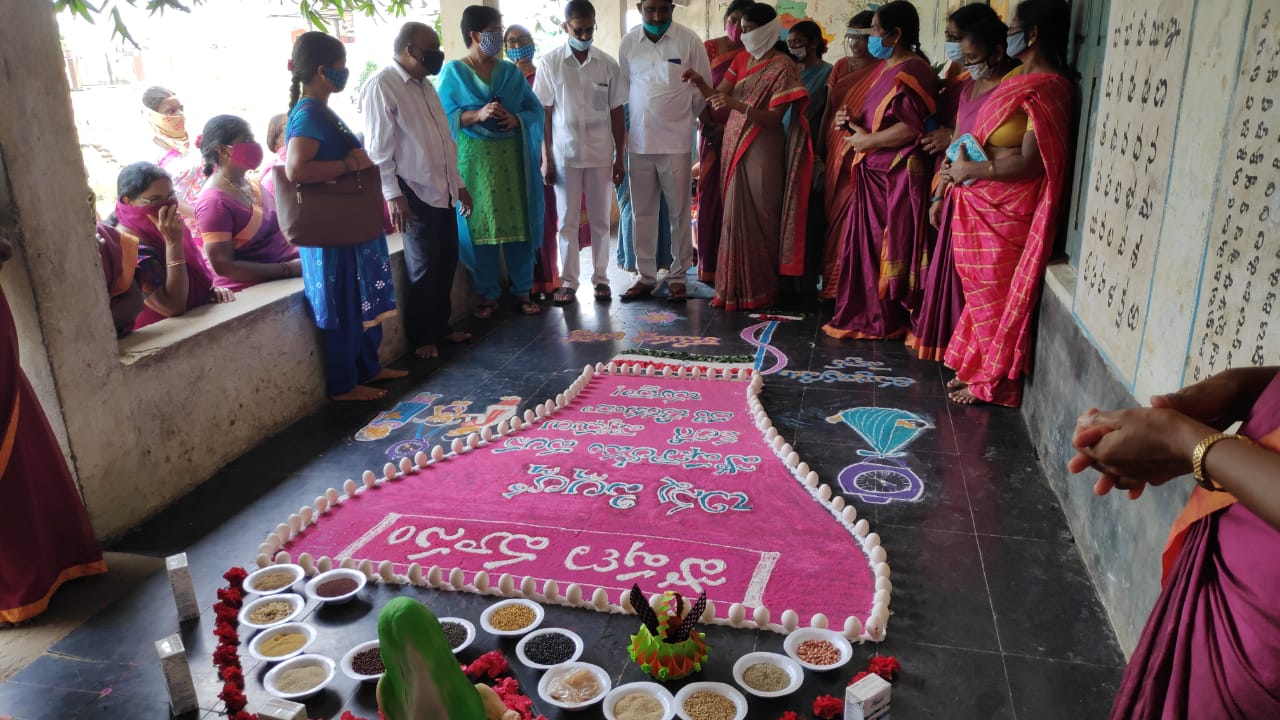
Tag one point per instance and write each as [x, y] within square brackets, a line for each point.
[119, 269]
[171, 270]
[237, 219]
[1209, 648]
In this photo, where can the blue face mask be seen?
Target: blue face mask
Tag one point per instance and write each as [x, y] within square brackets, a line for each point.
[579, 45]
[877, 48]
[1017, 44]
[520, 54]
[657, 30]
[337, 78]
[491, 43]
[952, 51]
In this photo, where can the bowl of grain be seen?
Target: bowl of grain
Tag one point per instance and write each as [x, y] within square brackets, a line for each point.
[639, 701]
[336, 586]
[299, 677]
[542, 649]
[511, 618]
[274, 579]
[282, 642]
[271, 610]
[817, 648]
[768, 675]
[363, 663]
[710, 701]
[574, 685]
[458, 632]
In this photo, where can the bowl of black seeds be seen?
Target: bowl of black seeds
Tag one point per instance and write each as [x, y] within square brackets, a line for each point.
[363, 663]
[542, 649]
[459, 633]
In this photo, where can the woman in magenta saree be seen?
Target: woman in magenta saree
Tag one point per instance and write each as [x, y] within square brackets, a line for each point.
[885, 248]
[1209, 648]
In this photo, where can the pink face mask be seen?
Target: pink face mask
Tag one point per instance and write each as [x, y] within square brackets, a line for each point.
[247, 155]
[734, 32]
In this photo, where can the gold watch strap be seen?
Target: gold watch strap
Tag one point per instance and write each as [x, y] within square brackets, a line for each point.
[1197, 459]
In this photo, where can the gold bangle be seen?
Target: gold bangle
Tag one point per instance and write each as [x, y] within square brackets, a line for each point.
[1202, 449]
[176, 263]
[991, 170]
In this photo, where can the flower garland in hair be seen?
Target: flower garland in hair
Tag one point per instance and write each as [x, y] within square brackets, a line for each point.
[226, 657]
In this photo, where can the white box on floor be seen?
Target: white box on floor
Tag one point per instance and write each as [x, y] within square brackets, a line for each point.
[867, 699]
[184, 592]
[177, 675]
[280, 709]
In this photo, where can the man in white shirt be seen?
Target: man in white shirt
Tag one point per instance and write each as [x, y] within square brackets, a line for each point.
[583, 93]
[407, 135]
[664, 110]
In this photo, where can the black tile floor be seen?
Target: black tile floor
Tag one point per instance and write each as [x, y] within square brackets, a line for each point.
[994, 614]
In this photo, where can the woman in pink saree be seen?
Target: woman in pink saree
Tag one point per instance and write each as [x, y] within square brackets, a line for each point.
[1209, 649]
[885, 242]
[1004, 210]
[763, 229]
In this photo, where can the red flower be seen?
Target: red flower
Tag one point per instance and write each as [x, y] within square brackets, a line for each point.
[226, 656]
[235, 577]
[491, 664]
[243, 715]
[223, 612]
[233, 674]
[789, 715]
[233, 697]
[233, 597]
[886, 666]
[859, 676]
[828, 707]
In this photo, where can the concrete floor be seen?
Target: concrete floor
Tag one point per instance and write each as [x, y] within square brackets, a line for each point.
[994, 614]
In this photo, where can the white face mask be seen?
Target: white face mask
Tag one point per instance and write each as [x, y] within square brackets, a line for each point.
[980, 70]
[758, 41]
[798, 53]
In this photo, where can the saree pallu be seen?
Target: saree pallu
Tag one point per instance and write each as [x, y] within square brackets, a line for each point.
[45, 537]
[1002, 234]
[710, 200]
[1209, 647]
[848, 90]
[254, 231]
[765, 212]
[885, 248]
[138, 230]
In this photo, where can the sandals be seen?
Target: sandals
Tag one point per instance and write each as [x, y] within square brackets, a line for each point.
[485, 310]
[602, 292]
[677, 293]
[637, 291]
[563, 296]
[529, 307]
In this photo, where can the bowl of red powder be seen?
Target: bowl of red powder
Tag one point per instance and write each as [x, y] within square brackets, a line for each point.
[336, 586]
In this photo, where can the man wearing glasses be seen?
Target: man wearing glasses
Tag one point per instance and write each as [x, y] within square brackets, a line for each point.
[583, 92]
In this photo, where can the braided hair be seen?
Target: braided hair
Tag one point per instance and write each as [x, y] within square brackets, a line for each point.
[220, 130]
[310, 51]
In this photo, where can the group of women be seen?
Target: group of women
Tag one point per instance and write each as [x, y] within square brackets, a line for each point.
[926, 205]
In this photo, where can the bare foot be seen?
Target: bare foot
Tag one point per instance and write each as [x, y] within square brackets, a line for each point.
[964, 397]
[427, 352]
[458, 336]
[360, 393]
[956, 383]
[389, 374]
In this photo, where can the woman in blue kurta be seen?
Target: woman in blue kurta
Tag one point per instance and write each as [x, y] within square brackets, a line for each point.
[349, 288]
[497, 121]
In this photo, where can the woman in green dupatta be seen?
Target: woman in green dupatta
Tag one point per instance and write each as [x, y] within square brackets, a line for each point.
[497, 122]
[422, 679]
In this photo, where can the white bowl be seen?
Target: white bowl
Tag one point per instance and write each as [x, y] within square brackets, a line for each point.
[255, 647]
[729, 691]
[296, 601]
[538, 615]
[269, 682]
[351, 655]
[792, 668]
[468, 626]
[653, 690]
[336, 574]
[799, 635]
[562, 669]
[573, 636]
[295, 570]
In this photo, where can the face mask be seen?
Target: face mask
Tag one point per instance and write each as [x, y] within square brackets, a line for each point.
[520, 54]
[247, 155]
[877, 48]
[952, 51]
[758, 41]
[138, 217]
[1017, 44]
[798, 53]
[734, 32]
[491, 43]
[579, 45]
[170, 126]
[657, 30]
[432, 61]
[337, 78]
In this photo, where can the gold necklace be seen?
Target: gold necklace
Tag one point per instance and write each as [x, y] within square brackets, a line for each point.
[243, 194]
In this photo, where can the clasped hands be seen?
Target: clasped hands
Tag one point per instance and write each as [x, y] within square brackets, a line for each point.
[495, 111]
[859, 137]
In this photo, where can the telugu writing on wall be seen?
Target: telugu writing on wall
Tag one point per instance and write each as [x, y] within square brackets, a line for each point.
[1240, 281]
[1146, 60]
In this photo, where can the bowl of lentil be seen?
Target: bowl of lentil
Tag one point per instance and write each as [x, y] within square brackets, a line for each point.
[282, 642]
[542, 649]
[710, 701]
[768, 675]
[274, 579]
[363, 663]
[336, 586]
[458, 632]
[299, 677]
[271, 610]
[574, 685]
[818, 649]
[639, 701]
[511, 618]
